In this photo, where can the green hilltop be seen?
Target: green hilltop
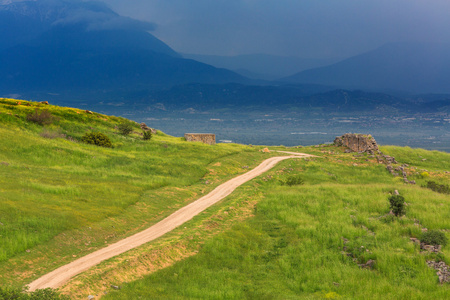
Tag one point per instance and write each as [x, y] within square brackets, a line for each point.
[309, 228]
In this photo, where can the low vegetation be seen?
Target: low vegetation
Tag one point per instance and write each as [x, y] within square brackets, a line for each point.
[310, 228]
[440, 188]
[397, 205]
[20, 294]
[125, 128]
[97, 138]
[147, 135]
[41, 117]
[434, 237]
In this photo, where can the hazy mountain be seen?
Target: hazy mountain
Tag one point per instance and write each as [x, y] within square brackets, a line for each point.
[411, 67]
[261, 66]
[288, 98]
[65, 44]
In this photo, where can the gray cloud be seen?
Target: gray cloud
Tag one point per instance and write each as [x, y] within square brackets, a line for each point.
[307, 28]
[99, 20]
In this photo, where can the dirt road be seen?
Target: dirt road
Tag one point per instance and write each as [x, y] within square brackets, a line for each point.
[61, 275]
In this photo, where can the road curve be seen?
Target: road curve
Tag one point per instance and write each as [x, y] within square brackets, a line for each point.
[61, 275]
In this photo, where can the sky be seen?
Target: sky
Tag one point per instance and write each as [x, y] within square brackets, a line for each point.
[300, 28]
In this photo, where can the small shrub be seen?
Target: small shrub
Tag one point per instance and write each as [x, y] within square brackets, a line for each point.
[17, 293]
[293, 180]
[434, 237]
[147, 135]
[125, 128]
[48, 134]
[42, 117]
[97, 138]
[425, 174]
[440, 188]
[397, 205]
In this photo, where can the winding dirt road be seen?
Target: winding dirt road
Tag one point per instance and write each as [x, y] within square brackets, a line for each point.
[61, 275]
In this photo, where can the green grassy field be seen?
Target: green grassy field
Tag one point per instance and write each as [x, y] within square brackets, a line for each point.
[61, 199]
[57, 191]
[307, 241]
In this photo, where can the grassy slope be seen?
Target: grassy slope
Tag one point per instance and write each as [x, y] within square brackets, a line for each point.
[60, 199]
[293, 246]
[290, 247]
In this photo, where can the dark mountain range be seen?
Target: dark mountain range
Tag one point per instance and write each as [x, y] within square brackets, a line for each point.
[409, 67]
[314, 98]
[57, 45]
[261, 66]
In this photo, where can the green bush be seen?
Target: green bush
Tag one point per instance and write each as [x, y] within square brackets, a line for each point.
[147, 135]
[434, 237]
[440, 188]
[397, 205]
[42, 117]
[43, 294]
[97, 138]
[125, 128]
[293, 180]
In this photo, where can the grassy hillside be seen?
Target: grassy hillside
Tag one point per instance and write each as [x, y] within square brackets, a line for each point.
[61, 199]
[307, 241]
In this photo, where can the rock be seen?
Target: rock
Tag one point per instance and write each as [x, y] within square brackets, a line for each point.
[368, 265]
[396, 192]
[88, 112]
[90, 297]
[414, 240]
[115, 287]
[44, 102]
[443, 270]
[357, 142]
[430, 248]
[144, 127]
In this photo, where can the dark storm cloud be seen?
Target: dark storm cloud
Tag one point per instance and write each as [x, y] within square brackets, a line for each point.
[311, 28]
[96, 16]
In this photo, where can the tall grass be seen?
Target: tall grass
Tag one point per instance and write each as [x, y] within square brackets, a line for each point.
[51, 186]
[307, 242]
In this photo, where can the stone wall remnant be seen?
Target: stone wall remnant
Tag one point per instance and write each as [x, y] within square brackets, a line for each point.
[206, 138]
[357, 142]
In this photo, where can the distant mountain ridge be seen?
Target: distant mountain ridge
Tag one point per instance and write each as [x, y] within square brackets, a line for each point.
[61, 45]
[261, 66]
[410, 67]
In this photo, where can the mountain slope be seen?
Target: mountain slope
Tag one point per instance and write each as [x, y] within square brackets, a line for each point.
[411, 67]
[85, 45]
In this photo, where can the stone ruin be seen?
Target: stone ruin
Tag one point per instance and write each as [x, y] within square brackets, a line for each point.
[366, 143]
[357, 142]
[206, 138]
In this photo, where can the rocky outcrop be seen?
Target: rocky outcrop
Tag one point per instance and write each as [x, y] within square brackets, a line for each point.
[146, 128]
[357, 142]
[206, 138]
[443, 270]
